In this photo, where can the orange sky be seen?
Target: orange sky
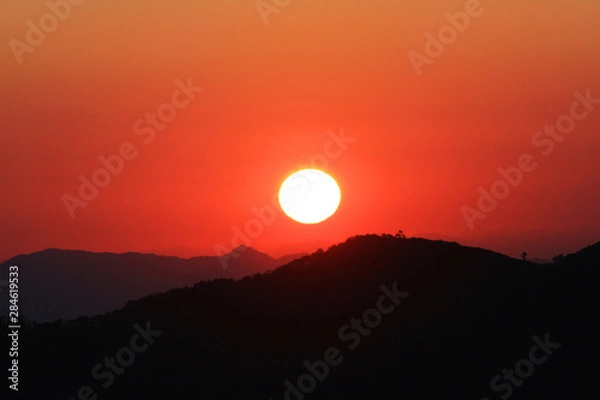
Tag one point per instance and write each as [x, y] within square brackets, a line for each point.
[422, 147]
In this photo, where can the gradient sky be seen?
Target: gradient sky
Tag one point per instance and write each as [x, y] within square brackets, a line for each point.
[423, 145]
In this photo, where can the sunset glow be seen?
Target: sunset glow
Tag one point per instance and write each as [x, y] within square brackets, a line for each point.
[211, 102]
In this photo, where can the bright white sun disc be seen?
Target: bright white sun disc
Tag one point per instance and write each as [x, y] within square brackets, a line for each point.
[309, 196]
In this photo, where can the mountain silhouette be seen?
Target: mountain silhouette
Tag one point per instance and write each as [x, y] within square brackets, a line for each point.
[452, 322]
[67, 284]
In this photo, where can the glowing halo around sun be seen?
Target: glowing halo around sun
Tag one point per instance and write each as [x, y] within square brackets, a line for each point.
[309, 196]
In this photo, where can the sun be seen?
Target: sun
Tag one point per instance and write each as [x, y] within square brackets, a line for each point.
[309, 196]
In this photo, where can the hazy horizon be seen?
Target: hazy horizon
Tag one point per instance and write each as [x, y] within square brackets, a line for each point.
[542, 245]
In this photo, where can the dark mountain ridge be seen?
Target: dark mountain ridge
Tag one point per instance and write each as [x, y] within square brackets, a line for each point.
[467, 316]
[71, 283]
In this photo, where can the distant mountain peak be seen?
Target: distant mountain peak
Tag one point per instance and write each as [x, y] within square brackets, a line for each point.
[243, 248]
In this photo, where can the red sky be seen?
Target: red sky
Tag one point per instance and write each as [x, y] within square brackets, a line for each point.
[423, 144]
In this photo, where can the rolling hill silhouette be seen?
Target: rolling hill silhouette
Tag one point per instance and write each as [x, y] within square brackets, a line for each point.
[68, 284]
[451, 320]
